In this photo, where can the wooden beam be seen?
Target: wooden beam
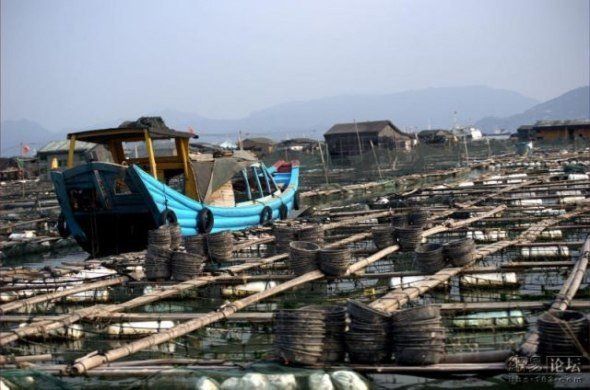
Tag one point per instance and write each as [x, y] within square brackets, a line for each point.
[150, 152]
[72, 151]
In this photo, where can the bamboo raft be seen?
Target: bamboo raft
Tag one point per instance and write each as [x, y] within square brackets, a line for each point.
[253, 261]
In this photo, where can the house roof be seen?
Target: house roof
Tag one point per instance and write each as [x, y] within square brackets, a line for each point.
[64, 146]
[437, 132]
[569, 122]
[260, 140]
[295, 141]
[363, 127]
[132, 131]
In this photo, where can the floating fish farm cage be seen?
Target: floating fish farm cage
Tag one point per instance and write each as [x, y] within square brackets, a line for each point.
[480, 274]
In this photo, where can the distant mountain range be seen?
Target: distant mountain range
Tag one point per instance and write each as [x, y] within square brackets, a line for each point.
[410, 111]
[574, 104]
[13, 134]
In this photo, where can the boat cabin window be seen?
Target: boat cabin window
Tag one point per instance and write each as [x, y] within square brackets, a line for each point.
[241, 187]
[138, 149]
[177, 182]
[268, 185]
[252, 183]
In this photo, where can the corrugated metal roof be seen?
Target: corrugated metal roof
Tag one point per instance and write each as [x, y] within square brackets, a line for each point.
[64, 146]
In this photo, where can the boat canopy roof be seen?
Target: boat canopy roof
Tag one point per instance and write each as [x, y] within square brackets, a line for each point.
[213, 173]
[131, 131]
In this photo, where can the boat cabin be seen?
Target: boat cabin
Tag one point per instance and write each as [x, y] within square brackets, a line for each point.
[148, 143]
[228, 180]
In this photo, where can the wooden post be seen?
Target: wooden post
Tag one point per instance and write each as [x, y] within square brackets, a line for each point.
[150, 151]
[323, 161]
[71, 151]
[358, 137]
[376, 160]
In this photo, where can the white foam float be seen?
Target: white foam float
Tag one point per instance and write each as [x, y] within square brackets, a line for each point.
[527, 202]
[348, 380]
[569, 193]
[247, 289]
[578, 176]
[64, 283]
[552, 234]
[487, 235]
[43, 307]
[70, 332]
[205, 383]
[98, 295]
[408, 281]
[319, 381]
[505, 319]
[492, 279]
[138, 328]
[572, 199]
[545, 251]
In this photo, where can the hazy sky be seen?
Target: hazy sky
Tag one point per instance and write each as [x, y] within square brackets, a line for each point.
[73, 63]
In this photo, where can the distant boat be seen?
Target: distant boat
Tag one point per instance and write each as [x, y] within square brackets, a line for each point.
[468, 133]
[108, 207]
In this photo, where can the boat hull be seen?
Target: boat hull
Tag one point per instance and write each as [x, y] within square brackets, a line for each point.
[103, 208]
[109, 208]
[187, 212]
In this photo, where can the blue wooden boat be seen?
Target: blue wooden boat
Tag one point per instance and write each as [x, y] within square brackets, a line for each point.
[152, 179]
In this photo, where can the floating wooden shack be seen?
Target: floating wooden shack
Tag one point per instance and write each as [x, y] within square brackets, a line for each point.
[473, 286]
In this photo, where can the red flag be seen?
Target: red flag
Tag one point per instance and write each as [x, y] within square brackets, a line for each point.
[25, 149]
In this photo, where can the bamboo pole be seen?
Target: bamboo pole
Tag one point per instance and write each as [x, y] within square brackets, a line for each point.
[77, 315]
[499, 192]
[43, 327]
[46, 326]
[24, 359]
[86, 363]
[572, 284]
[333, 225]
[12, 306]
[349, 240]
[244, 245]
[265, 317]
[240, 279]
[399, 297]
[173, 370]
[563, 298]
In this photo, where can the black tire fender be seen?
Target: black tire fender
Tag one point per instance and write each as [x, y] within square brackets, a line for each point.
[205, 221]
[168, 216]
[265, 215]
[283, 211]
[62, 226]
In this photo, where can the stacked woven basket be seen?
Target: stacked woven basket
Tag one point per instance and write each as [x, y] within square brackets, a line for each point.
[310, 335]
[368, 339]
[562, 333]
[418, 336]
[157, 258]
